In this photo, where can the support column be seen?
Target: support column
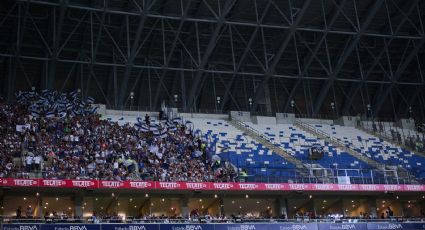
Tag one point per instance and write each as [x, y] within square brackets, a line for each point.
[39, 211]
[184, 202]
[372, 209]
[1, 202]
[221, 206]
[281, 207]
[78, 204]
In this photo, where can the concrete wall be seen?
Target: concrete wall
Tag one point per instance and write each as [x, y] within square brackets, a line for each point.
[130, 113]
[406, 124]
[204, 116]
[240, 116]
[285, 118]
[348, 121]
[316, 121]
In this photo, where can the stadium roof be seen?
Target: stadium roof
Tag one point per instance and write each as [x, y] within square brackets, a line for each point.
[314, 52]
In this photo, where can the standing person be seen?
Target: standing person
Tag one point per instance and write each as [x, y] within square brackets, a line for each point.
[28, 162]
[161, 115]
[19, 213]
[147, 119]
[29, 212]
[37, 162]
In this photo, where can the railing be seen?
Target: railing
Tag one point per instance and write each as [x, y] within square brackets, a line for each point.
[412, 140]
[340, 143]
[276, 146]
[331, 175]
[203, 219]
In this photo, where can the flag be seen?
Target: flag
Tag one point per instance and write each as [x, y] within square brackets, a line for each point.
[62, 114]
[50, 114]
[90, 100]
[35, 113]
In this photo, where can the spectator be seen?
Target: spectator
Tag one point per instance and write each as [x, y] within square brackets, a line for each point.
[19, 213]
[80, 145]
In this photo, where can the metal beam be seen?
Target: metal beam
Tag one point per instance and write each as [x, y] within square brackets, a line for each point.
[230, 72]
[230, 22]
[355, 87]
[171, 52]
[57, 33]
[341, 61]
[270, 71]
[195, 89]
[245, 54]
[133, 51]
[380, 98]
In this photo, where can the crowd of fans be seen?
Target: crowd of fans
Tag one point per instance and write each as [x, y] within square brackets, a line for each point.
[60, 136]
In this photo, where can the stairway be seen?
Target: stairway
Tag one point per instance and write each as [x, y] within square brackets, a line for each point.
[387, 139]
[266, 142]
[320, 134]
[303, 170]
[311, 129]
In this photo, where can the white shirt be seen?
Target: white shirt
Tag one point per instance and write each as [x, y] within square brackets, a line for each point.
[37, 160]
[29, 160]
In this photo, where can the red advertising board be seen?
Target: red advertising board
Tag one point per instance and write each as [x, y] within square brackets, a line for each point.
[231, 186]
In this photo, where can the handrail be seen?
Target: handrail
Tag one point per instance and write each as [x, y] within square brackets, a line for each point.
[203, 219]
[348, 147]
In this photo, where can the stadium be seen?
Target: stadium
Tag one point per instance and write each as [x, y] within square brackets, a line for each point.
[212, 114]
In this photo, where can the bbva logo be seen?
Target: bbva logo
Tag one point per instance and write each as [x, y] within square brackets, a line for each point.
[77, 227]
[392, 226]
[299, 227]
[193, 227]
[28, 227]
[343, 227]
[247, 227]
[136, 227]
